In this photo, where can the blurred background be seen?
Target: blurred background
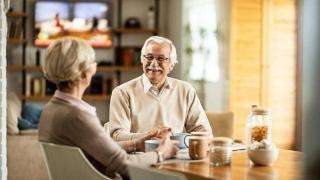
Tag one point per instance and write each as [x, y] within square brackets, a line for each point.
[236, 53]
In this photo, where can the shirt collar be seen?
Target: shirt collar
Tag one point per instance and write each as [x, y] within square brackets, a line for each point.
[75, 102]
[147, 84]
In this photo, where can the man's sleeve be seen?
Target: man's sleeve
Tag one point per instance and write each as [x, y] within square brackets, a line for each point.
[119, 116]
[196, 117]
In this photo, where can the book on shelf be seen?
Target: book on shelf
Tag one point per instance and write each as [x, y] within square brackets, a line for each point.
[38, 86]
[128, 56]
[43, 87]
[15, 29]
[28, 84]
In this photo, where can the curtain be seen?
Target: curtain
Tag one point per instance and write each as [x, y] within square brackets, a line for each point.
[3, 40]
[201, 40]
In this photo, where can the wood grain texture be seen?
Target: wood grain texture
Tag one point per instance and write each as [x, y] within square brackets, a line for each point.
[245, 59]
[287, 166]
[263, 60]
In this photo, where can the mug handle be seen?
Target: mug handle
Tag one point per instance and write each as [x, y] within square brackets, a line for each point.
[194, 149]
[184, 140]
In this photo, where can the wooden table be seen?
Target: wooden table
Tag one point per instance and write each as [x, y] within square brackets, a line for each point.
[287, 166]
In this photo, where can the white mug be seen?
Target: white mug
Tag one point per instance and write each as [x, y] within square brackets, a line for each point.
[151, 145]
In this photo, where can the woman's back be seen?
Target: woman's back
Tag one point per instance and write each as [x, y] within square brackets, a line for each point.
[66, 124]
[53, 121]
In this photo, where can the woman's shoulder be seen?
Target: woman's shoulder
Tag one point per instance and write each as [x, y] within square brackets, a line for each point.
[62, 108]
[60, 105]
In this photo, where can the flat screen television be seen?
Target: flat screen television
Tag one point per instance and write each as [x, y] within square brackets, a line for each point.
[88, 20]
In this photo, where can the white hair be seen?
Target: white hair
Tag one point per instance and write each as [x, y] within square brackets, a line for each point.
[66, 59]
[161, 40]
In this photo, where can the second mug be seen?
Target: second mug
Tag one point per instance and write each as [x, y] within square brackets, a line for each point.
[198, 147]
[182, 139]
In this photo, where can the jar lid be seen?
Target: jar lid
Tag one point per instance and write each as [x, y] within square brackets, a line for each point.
[260, 111]
[221, 141]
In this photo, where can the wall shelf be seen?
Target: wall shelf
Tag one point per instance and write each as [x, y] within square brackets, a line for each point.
[17, 14]
[98, 97]
[119, 68]
[19, 68]
[132, 30]
[16, 41]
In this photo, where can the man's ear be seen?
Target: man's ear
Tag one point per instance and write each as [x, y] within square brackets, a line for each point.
[171, 67]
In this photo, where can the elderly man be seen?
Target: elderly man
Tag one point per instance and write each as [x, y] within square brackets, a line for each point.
[154, 101]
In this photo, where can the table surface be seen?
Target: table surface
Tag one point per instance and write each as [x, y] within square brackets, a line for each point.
[287, 166]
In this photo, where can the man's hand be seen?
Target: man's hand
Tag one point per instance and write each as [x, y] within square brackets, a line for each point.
[156, 133]
[168, 147]
[160, 132]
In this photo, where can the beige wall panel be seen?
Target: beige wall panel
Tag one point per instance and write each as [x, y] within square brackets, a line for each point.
[263, 64]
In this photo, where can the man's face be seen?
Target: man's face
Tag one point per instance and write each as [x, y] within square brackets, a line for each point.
[156, 62]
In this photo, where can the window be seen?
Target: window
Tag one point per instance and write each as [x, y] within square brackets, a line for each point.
[201, 46]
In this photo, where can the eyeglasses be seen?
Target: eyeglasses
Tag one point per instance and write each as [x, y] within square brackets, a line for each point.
[159, 59]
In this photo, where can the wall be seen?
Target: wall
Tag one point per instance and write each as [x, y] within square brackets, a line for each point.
[310, 23]
[173, 28]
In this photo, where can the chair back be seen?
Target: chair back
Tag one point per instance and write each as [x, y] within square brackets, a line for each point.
[67, 162]
[143, 173]
[222, 124]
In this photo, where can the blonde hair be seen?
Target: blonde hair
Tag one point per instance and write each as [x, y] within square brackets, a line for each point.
[161, 40]
[66, 59]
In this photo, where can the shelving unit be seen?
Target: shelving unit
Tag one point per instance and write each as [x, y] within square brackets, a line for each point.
[18, 31]
[122, 30]
[116, 70]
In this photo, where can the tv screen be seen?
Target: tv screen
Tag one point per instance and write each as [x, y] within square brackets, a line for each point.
[90, 21]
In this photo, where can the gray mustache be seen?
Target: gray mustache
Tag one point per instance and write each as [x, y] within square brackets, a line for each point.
[154, 69]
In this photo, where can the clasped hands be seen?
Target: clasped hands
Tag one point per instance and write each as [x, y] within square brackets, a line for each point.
[167, 147]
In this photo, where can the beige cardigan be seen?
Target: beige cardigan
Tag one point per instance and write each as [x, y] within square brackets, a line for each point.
[63, 123]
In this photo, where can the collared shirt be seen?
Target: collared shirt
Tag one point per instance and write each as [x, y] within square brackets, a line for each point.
[148, 87]
[75, 102]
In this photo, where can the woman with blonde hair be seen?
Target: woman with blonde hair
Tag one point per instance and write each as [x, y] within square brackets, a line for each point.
[68, 120]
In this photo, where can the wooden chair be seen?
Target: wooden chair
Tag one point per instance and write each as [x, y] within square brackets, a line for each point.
[143, 173]
[67, 162]
[222, 124]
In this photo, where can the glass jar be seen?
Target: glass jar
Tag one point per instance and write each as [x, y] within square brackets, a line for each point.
[220, 152]
[259, 126]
